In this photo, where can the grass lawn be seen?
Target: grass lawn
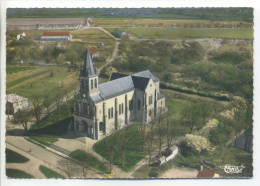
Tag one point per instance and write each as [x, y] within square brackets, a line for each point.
[49, 173]
[20, 80]
[41, 84]
[14, 157]
[14, 173]
[89, 160]
[15, 69]
[43, 140]
[191, 33]
[133, 152]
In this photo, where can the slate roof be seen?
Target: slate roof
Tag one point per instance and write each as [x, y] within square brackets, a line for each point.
[88, 69]
[122, 83]
[113, 88]
[146, 74]
[140, 82]
[160, 96]
[117, 75]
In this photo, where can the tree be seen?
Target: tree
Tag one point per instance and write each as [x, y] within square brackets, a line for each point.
[171, 130]
[191, 117]
[205, 111]
[122, 140]
[160, 131]
[150, 139]
[238, 114]
[23, 116]
[67, 166]
[110, 152]
[38, 106]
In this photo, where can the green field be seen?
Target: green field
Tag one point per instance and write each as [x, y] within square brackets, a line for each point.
[49, 173]
[13, 157]
[15, 69]
[42, 83]
[14, 173]
[89, 160]
[168, 21]
[191, 33]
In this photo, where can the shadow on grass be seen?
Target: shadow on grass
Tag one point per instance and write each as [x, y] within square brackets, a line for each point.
[59, 128]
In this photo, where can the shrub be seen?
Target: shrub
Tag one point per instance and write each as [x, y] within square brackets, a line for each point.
[153, 173]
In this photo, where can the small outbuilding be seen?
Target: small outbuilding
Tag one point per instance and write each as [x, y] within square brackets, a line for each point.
[56, 36]
[21, 36]
[14, 103]
[207, 174]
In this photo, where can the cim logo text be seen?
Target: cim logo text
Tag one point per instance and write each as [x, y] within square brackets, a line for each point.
[229, 169]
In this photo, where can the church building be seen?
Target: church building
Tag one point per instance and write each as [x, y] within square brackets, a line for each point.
[101, 109]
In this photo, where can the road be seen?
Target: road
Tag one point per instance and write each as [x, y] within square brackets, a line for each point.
[41, 156]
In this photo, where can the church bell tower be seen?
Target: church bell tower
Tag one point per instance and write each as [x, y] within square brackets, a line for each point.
[88, 77]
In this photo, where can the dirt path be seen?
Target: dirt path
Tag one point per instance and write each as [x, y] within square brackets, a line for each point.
[178, 172]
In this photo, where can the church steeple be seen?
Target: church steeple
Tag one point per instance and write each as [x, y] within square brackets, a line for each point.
[88, 69]
[88, 76]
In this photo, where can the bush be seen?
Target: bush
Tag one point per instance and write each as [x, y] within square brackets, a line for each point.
[153, 173]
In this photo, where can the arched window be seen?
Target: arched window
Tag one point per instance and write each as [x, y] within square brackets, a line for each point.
[95, 83]
[92, 84]
[108, 113]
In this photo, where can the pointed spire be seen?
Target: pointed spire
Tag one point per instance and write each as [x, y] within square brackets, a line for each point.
[88, 69]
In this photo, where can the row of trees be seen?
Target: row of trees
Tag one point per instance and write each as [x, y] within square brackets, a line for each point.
[40, 107]
[160, 133]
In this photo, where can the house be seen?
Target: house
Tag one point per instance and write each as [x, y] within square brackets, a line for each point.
[207, 174]
[14, 103]
[94, 52]
[56, 36]
[101, 109]
[21, 36]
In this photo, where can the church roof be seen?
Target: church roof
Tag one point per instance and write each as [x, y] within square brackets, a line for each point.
[140, 82]
[88, 69]
[122, 83]
[113, 88]
[160, 96]
[117, 75]
[146, 74]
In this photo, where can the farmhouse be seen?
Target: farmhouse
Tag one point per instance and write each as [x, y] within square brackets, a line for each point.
[101, 109]
[56, 36]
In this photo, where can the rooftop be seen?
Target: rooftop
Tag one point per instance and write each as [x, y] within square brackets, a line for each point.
[205, 174]
[55, 34]
[122, 83]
